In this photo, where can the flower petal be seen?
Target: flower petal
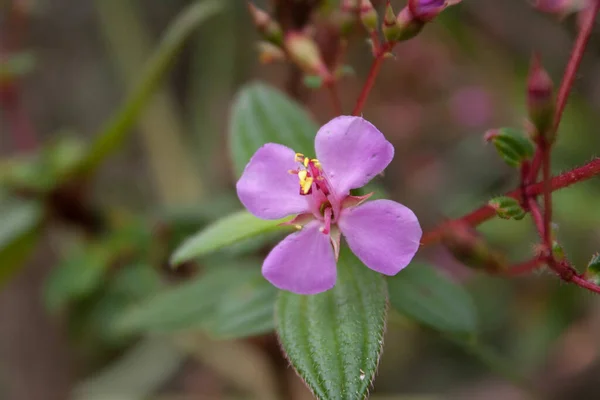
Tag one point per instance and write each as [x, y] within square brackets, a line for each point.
[383, 234]
[352, 151]
[303, 262]
[266, 188]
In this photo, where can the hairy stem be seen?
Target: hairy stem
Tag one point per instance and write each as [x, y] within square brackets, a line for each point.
[573, 65]
[545, 150]
[525, 267]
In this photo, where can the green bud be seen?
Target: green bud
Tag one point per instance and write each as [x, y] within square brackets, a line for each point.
[507, 207]
[306, 54]
[512, 145]
[593, 269]
[391, 30]
[269, 28]
[368, 16]
[347, 16]
[269, 53]
[408, 25]
[557, 251]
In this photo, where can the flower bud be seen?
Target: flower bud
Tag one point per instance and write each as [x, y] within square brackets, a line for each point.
[269, 53]
[368, 16]
[305, 53]
[269, 28]
[391, 30]
[467, 246]
[347, 16]
[407, 26]
[426, 10]
[557, 251]
[540, 100]
[511, 144]
[507, 207]
[593, 269]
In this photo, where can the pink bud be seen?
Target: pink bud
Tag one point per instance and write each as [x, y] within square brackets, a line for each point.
[540, 99]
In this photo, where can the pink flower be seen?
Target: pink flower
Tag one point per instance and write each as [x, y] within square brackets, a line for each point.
[278, 182]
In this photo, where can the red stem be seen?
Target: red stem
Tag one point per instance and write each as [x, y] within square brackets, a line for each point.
[524, 268]
[569, 78]
[579, 281]
[536, 214]
[380, 53]
[573, 65]
[545, 149]
[485, 212]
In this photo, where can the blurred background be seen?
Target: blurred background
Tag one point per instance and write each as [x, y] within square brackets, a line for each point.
[93, 248]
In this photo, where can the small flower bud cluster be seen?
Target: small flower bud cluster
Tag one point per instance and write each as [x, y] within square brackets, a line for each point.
[296, 46]
[412, 18]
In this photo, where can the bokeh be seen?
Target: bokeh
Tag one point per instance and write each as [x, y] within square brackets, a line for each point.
[93, 245]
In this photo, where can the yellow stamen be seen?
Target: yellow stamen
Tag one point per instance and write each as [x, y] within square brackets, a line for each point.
[306, 161]
[316, 163]
[305, 181]
[299, 157]
[306, 184]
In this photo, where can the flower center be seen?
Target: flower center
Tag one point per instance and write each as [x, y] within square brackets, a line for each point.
[310, 172]
[313, 183]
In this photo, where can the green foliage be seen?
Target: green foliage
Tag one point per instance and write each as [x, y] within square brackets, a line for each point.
[135, 376]
[229, 230]
[334, 339]
[226, 301]
[261, 114]
[19, 230]
[46, 170]
[420, 293]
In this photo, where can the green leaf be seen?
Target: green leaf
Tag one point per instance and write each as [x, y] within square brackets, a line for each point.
[262, 114]
[224, 232]
[119, 126]
[77, 276]
[334, 339]
[19, 223]
[137, 375]
[422, 294]
[245, 309]
[190, 306]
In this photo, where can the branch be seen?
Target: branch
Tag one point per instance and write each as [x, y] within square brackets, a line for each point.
[485, 212]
